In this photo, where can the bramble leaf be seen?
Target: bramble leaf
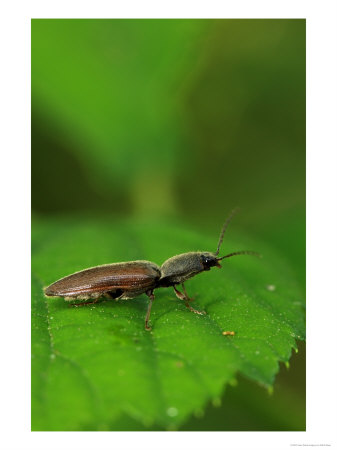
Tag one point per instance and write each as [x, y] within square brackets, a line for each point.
[94, 365]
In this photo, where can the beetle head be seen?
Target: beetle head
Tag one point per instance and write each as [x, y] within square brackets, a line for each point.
[209, 260]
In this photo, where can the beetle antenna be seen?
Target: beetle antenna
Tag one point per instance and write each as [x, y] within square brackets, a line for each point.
[243, 252]
[224, 228]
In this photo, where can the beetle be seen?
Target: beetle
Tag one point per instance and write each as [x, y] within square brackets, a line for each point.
[127, 280]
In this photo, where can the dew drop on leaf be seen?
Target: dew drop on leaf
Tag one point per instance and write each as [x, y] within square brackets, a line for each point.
[270, 287]
[172, 411]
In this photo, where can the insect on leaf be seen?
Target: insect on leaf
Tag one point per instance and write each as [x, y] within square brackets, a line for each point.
[95, 365]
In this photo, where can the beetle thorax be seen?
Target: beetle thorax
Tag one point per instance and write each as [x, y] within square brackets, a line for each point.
[180, 268]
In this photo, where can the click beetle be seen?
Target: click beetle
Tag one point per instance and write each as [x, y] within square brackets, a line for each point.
[127, 280]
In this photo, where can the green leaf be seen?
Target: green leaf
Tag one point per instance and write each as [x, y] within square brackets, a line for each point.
[96, 368]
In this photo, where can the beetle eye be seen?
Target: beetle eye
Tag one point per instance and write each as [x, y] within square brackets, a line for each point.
[208, 262]
[205, 259]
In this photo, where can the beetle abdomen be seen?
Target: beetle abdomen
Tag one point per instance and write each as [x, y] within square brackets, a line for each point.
[128, 277]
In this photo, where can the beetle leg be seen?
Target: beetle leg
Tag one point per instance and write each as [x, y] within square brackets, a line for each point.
[186, 300]
[151, 297]
[194, 310]
[179, 294]
[186, 295]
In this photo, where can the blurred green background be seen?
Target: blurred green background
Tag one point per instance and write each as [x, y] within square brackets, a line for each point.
[181, 120]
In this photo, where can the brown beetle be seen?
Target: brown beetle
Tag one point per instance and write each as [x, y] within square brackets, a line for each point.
[127, 280]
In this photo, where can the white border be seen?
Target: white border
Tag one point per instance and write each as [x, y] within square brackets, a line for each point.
[321, 228]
